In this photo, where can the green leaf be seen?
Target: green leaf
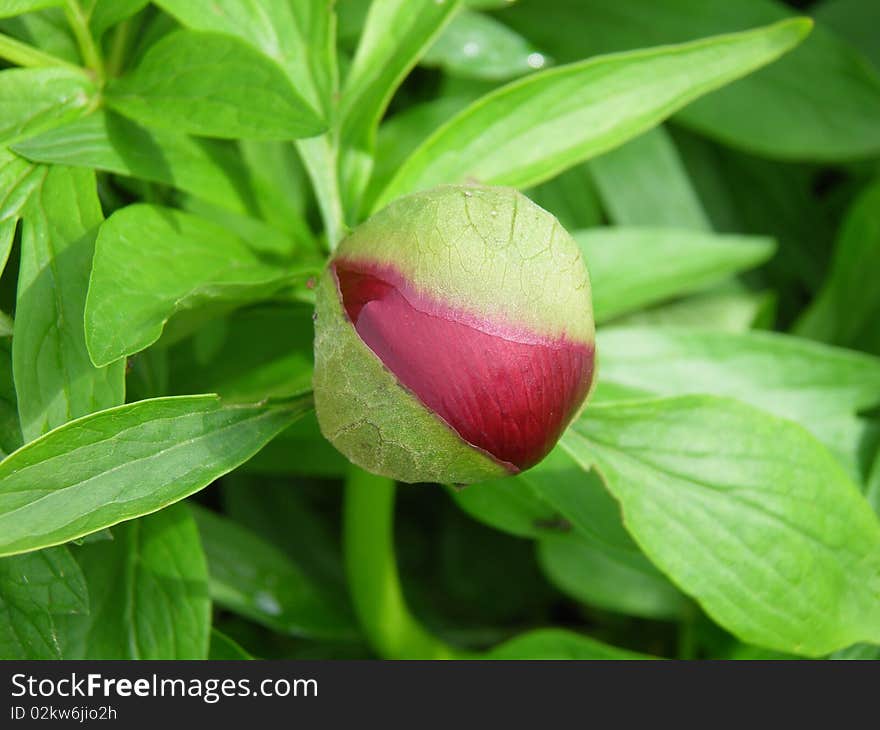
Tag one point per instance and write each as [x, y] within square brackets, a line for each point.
[746, 512]
[558, 644]
[820, 387]
[225, 649]
[18, 179]
[721, 309]
[255, 579]
[294, 33]
[536, 127]
[670, 263]
[583, 545]
[54, 378]
[148, 588]
[17, 7]
[104, 14]
[571, 197]
[846, 310]
[826, 86]
[213, 85]
[300, 450]
[35, 591]
[644, 183]
[7, 236]
[152, 262]
[243, 359]
[854, 20]
[622, 582]
[10, 429]
[125, 462]
[383, 59]
[477, 46]
[33, 100]
[109, 142]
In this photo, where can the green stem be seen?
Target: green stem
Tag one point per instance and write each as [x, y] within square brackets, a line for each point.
[79, 24]
[21, 54]
[119, 47]
[368, 531]
[320, 156]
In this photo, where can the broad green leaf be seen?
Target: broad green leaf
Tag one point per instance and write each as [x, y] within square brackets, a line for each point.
[293, 33]
[104, 14]
[152, 262]
[148, 589]
[746, 512]
[35, 591]
[670, 263]
[243, 359]
[384, 58]
[54, 378]
[18, 179]
[720, 309]
[17, 7]
[559, 644]
[858, 652]
[536, 127]
[7, 236]
[280, 184]
[125, 462]
[820, 387]
[617, 581]
[571, 197]
[47, 30]
[644, 183]
[855, 20]
[33, 100]
[847, 309]
[255, 579]
[225, 649]
[818, 103]
[110, 142]
[872, 492]
[213, 85]
[475, 45]
[10, 430]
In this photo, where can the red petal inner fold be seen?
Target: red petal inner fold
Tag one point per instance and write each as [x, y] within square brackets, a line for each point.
[508, 394]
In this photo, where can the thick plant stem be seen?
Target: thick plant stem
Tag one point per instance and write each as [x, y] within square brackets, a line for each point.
[368, 533]
[79, 24]
[21, 54]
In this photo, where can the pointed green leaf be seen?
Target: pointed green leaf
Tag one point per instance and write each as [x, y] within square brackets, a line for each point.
[822, 388]
[33, 100]
[538, 126]
[153, 262]
[214, 85]
[125, 462]
[670, 263]
[54, 378]
[558, 644]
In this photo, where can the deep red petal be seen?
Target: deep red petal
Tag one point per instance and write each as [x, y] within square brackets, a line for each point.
[508, 392]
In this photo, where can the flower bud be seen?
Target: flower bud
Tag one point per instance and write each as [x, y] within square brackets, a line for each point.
[454, 337]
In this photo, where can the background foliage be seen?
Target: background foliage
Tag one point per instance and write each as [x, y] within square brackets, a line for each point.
[174, 174]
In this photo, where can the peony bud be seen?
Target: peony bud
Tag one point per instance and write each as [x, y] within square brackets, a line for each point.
[454, 338]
